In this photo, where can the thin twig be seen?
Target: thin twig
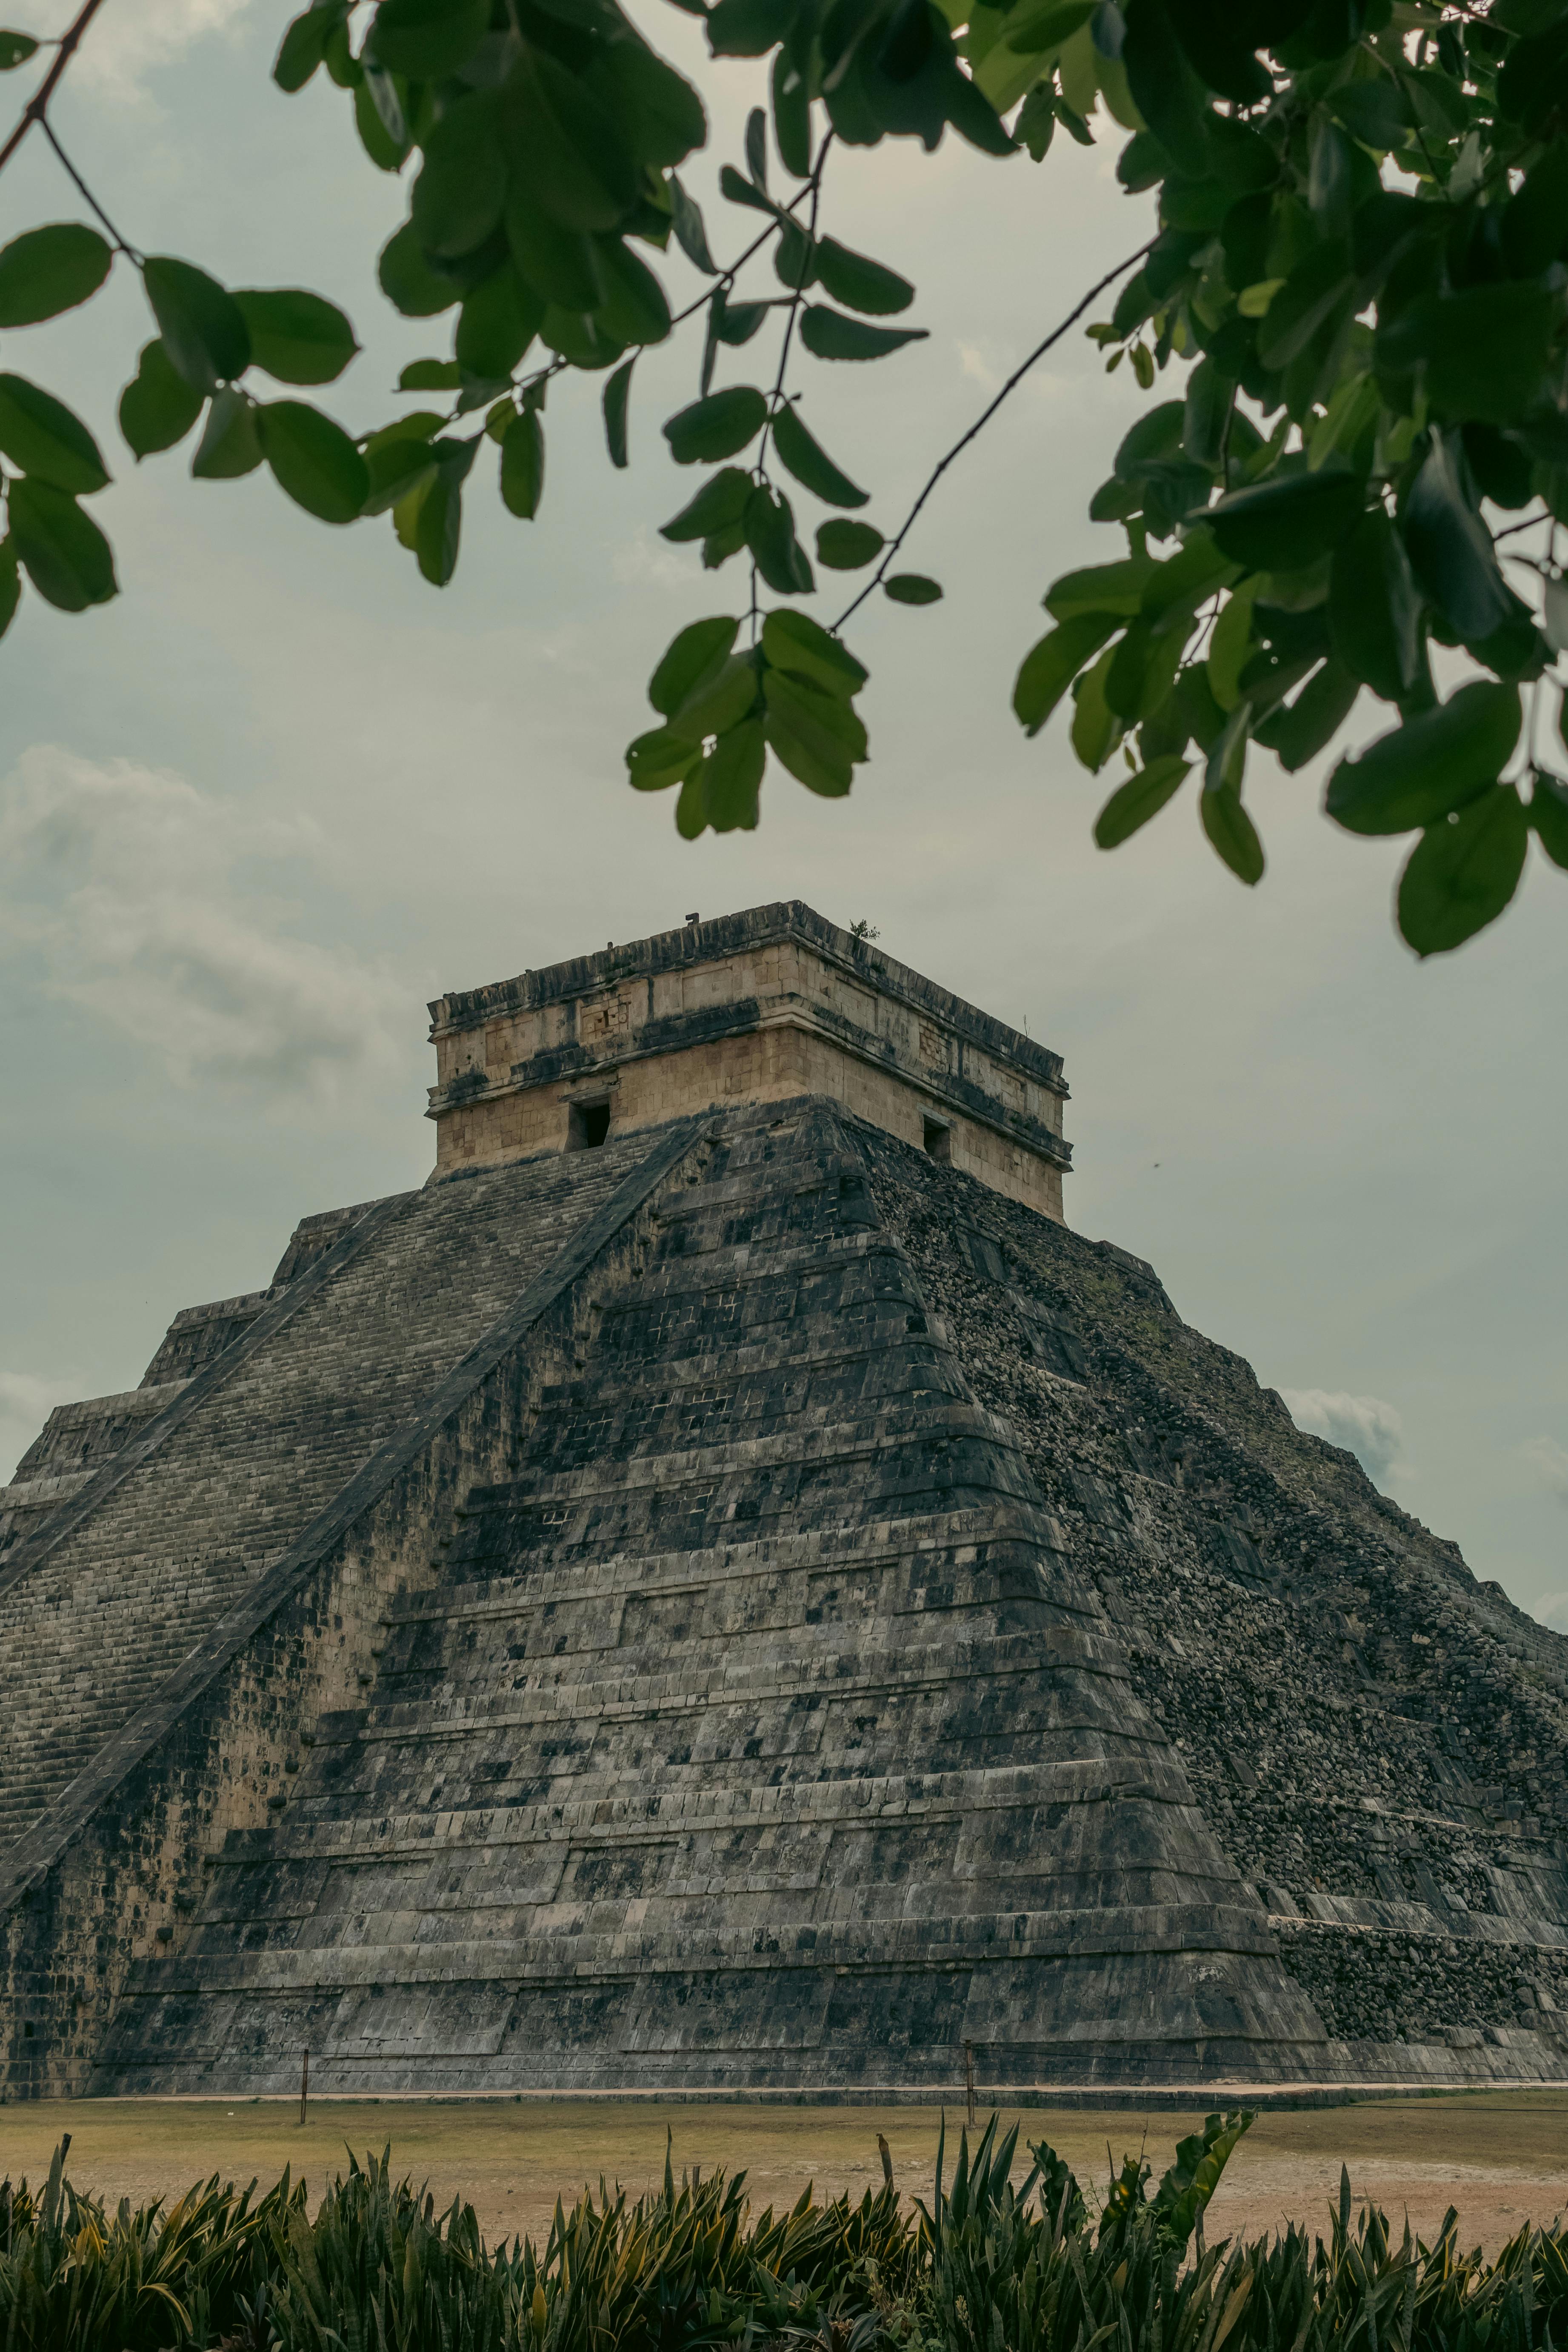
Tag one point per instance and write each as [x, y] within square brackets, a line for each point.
[728, 277]
[796, 292]
[47, 128]
[984, 419]
[815, 185]
[37, 105]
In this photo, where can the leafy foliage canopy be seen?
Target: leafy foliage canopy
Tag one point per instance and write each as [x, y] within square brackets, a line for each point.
[1353, 283]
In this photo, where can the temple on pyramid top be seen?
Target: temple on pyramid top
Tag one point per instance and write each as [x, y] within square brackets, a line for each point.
[752, 1008]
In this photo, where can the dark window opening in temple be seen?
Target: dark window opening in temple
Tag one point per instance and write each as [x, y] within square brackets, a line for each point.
[937, 1139]
[587, 1125]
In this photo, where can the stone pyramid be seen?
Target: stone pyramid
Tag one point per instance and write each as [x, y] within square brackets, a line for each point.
[723, 1591]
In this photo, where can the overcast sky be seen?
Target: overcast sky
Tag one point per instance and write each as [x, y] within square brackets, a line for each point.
[258, 810]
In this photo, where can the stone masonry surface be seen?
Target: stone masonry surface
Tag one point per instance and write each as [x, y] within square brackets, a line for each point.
[752, 1606]
[88, 1631]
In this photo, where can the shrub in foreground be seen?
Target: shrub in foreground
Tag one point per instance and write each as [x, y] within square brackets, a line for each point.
[991, 2264]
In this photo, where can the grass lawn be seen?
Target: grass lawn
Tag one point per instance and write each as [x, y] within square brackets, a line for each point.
[1500, 2156]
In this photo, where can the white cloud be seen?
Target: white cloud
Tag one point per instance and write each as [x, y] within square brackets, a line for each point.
[1550, 1460]
[1365, 1426]
[640, 564]
[130, 40]
[25, 1403]
[140, 898]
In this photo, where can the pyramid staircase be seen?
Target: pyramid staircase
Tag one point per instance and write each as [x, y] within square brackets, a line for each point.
[758, 1732]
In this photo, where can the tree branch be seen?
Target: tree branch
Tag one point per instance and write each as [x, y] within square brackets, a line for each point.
[983, 420]
[47, 128]
[37, 105]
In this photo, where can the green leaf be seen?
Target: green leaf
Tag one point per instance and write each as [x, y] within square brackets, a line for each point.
[747, 28]
[304, 44]
[1186, 2188]
[720, 503]
[1165, 91]
[1184, 581]
[439, 521]
[374, 99]
[48, 270]
[398, 463]
[1451, 550]
[1229, 645]
[1484, 352]
[1279, 525]
[1462, 873]
[564, 147]
[691, 807]
[16, 49]
[770, 536]
[660, 758]
[911, 588]
[407, 280]
[1535, 221]
[756, 145]
[523, 466]
[1051, 667]
[717, 426]
[659, 115]
[1225, 765]
[230, 445]
[1233, 835]
[1037, 122]
[733, 776]
[428, 39]
[313, 460]
[1096, 730]
[1375, 609]
[686, 217]
[580, 339]
[810, 464]
[430, 375]
[635, 309]
[62, 550]
[802, 648]
[1437, 762]
[694, 659]
[1141, 797]
[498, 321]
[742, 192]
[830, 335]
[844, 546]
[298, 337]
[816, 734]
[561, 263]
[1549, 816]
[43, 437]
[860, 284]
[1143, 667]
[10, 584]
[792, 117]
[461, 189]
[1030, 32]
[203, 327]
[1298, 732]
[720, 699]
[617, 394]
[1321, 285]
[1100, 588]
[157, 408]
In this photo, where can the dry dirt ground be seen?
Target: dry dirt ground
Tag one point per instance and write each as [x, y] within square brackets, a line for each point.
[1502, 2157]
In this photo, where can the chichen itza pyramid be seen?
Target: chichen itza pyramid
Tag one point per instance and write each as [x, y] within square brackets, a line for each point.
[722, 1589]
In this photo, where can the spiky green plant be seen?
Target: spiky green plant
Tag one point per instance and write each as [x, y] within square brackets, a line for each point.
[991, 2266]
